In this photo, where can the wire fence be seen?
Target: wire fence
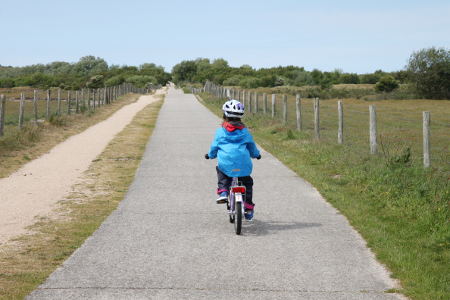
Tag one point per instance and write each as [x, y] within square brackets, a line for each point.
[21, 106]
[382, 127]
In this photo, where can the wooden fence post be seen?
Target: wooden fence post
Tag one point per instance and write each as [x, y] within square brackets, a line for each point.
[47, 108]
[426, 139]
[21, 109]
[88, 99]
[317, 118]
[341, 123]
[256, 102]
[59, 102]
[35, 108]
[298, 111]
[285, 110]
[94, 94]
[249, 102]
[265, 103]
[68, 102]
[2, 114]
[82, 105]
[77, 102]
[373, 129]
[274, 97]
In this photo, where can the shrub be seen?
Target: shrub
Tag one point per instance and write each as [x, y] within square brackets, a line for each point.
[141, 80]
[6, 83]
[95, 82]
[429, 71]
[349, 78]
[184, 71]
[387, 84]
[233, 80]
[115, 80]
[250, 82]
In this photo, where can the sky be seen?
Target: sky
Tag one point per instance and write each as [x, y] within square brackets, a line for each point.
[354, 36]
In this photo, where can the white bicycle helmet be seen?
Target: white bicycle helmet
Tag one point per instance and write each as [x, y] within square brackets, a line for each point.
[233, 109]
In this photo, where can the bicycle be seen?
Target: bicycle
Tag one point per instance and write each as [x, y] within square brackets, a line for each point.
[235, 206]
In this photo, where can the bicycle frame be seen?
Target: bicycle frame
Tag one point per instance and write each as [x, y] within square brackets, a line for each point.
[236, 195]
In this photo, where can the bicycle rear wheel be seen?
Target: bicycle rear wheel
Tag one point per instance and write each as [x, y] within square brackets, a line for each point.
[238, 218]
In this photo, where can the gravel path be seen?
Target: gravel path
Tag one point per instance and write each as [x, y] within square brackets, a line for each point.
[169, 240]
[35, 188]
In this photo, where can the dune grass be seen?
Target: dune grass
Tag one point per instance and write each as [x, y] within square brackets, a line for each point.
[400, 208]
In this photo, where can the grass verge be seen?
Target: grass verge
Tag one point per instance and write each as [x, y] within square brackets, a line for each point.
[30, 259]
[17, 147]
[400, 209]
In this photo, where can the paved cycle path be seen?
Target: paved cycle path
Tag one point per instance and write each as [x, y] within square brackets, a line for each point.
[169, 240]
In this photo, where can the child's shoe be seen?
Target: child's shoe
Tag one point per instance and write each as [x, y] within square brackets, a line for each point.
[248, 214]
[223, 198]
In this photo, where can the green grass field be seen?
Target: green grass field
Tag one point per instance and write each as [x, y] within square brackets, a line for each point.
[401, 209]
[399, 124]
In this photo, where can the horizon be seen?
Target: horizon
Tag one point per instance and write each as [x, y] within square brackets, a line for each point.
[210, 59]
[351, 36]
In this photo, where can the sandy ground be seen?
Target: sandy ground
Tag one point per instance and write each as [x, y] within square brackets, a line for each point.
[35, 189]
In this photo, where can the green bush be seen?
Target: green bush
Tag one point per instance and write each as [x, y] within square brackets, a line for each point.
[350, 78]
[250, 82]
[429, 72]
[141, 80]
[387, 83]
[115, 80]
[233, 80]
[37, 79]
[95, 82]
[7, 83]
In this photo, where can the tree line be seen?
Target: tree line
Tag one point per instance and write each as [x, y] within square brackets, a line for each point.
[218, 71]
[89, 71]
[427, 74]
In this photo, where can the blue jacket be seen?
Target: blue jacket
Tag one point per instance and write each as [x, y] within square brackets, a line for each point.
[234, 150]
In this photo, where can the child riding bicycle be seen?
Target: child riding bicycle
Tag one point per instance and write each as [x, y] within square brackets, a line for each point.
[234, 147]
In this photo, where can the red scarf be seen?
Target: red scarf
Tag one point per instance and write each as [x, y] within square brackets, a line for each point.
[230, 127]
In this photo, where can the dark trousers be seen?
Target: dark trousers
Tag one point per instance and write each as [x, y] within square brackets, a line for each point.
[224, 183]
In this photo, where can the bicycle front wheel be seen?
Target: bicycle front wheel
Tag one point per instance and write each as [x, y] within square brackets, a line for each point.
[238, 218]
